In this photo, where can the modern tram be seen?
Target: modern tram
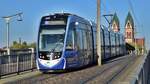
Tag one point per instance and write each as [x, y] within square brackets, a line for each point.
[67, 41]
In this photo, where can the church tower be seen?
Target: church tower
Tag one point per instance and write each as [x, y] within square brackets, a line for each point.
[115, 23]
[129, 29]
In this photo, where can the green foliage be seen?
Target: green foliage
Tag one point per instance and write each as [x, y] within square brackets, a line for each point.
[32, 45]
[23, 45]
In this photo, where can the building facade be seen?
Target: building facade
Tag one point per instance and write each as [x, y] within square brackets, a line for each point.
[140, 45]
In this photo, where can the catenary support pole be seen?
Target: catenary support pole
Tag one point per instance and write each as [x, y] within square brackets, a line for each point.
[98, 37]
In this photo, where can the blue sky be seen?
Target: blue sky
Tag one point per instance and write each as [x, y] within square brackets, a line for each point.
[34, 9]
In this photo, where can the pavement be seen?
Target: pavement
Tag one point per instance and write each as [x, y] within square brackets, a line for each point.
[21, 76]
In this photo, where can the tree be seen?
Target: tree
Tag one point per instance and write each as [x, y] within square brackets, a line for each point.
[16, 45]
[23, 45]
[14, 42]
[32, 45]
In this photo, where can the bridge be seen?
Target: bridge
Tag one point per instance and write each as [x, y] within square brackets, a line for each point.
[129, 69]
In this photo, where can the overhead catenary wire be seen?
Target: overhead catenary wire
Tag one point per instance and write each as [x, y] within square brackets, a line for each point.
[133, 12]
[137, 25]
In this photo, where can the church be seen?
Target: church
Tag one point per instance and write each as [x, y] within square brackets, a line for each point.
[129, 33]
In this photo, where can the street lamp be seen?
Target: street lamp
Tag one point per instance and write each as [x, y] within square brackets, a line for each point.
[7, 20]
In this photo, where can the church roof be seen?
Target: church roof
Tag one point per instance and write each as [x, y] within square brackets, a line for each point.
[129, 18]
[116, 19]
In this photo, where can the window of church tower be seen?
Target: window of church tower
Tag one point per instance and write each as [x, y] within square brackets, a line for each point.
[129, 35]
[114, 26]
[128, 25]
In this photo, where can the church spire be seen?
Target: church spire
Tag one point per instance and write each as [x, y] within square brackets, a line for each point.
[129, 29]
[129, 19]
[115, 23]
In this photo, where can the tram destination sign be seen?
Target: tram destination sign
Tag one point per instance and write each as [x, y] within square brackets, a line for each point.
[58, 22]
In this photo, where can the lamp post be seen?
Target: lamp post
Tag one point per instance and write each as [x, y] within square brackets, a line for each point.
[7, 24]
[7, 20]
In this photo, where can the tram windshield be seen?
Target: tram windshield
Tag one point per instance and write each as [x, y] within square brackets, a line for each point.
[51, 38]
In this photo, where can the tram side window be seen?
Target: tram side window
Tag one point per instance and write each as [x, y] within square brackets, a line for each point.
[117, 40]
[79, 39]
[84, 39]
[90, 40]
[124, 41]
[94, 36]
[121, 42]
[106, 38]
[69, 42]
[113, 39]
[89, 37]
[84, 34]
[102, 38]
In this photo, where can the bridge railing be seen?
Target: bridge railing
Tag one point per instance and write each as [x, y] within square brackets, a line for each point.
[144, 71]
[140, 75]
[10, 64]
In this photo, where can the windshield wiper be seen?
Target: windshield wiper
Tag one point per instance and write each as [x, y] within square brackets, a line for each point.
[56, 45]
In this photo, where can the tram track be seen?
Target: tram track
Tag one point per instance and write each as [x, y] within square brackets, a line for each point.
[93, 74]
[125, 65]
[105, 76]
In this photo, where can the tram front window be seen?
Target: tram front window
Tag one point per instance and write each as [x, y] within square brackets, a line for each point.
[51, 40]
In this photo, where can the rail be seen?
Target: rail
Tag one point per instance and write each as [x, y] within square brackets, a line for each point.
[11, 64]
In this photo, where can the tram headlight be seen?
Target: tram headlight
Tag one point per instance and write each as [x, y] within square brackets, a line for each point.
[42, 57]
[57, 55]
